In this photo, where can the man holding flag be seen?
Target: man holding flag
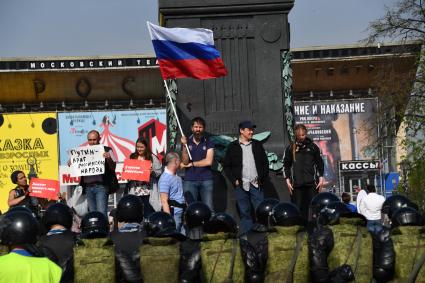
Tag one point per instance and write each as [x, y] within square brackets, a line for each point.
[188, 53]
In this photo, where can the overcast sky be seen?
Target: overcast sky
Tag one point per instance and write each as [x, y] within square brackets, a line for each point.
[107, 27]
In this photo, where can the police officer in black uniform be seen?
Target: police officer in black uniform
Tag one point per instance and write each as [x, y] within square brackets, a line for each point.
[409, 238]
[383, 256]
[160, 253]
[254, 244]
[128, 238]
[58, 243]
[220, 250]
[324, 211]
[196, 216]
[94, 253]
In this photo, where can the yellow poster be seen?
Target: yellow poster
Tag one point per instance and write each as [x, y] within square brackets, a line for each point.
[28, 142]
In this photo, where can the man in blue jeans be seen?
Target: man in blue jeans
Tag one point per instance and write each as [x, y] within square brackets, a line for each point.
[198, 179]
[96, 186]
[247, 167]
[370, 207]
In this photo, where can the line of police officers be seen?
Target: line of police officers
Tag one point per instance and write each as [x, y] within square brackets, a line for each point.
[336, 246]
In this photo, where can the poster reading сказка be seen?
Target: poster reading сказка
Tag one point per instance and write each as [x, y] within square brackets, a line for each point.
[118, 130]
[28, 142]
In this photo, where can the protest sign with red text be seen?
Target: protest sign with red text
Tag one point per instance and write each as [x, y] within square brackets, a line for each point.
[135, 169]
[44, 188]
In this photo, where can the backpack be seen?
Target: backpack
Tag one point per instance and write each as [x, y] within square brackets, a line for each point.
[353, 246]
[409, 246]
[287, 255]
[221, 258]
[159, 260]
[94, 261]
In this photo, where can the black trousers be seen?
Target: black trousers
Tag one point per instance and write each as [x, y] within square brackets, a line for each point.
[301, 197]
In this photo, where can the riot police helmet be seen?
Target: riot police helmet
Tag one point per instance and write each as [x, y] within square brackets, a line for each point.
[320, 201]
[221, 222]
[22, 208]
[58, 214]
[264, 210]
[285, 214]
[197, 214]
[19, 208]
[331, 213]
[94, 225]
[407, 216]
[395, 202]
[340, 207]
[130, 209]
[160, 224]
[19, 227]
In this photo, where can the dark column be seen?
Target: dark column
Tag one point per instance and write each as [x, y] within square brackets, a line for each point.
[250, 34]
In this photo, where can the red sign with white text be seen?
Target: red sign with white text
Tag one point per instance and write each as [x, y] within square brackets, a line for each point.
[135, 169]
[44, 188]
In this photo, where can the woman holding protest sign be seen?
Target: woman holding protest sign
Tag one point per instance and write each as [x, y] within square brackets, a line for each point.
[19, 196]
[147, 191]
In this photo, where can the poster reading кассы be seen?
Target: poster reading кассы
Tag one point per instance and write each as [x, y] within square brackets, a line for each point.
[118, 130]
[28, 142]
[343, 129]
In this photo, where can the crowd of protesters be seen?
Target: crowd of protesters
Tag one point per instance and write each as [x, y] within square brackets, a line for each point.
[41, 235]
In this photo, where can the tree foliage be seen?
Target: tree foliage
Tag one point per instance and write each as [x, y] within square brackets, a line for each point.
[405, 21]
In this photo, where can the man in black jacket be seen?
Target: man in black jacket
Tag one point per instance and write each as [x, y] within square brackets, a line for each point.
[247, 167]
[303, 170]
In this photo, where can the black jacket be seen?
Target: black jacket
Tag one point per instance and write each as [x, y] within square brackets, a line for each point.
[383, 256]
[60, 249]
[232, 162]
[320, 245]
[308, 164]
[190, 262]
[127, 255]
[254, 250]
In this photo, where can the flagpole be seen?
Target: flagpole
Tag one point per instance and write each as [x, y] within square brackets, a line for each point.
[177, 117]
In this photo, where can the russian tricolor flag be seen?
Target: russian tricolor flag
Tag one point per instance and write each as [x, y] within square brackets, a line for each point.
[185, 52]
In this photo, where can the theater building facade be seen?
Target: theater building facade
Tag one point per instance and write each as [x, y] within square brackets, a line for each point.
[47, 105]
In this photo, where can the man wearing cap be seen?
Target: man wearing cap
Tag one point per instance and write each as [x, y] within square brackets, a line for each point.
[247, 167]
